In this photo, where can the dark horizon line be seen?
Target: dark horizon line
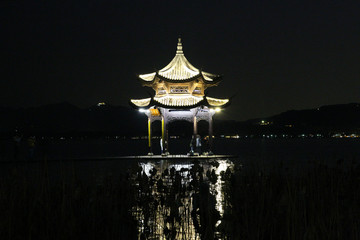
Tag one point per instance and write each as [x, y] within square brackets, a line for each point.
[129, 107]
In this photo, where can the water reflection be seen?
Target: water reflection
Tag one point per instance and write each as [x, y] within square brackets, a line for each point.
[223, 166]
[179, 200]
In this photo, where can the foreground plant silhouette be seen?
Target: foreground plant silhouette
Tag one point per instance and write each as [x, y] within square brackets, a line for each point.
[322, 203]
[33, 207]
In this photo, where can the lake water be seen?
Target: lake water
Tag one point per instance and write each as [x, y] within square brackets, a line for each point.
[269, 153]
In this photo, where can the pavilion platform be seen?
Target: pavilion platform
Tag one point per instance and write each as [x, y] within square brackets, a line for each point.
[119, 158]
[178, 156]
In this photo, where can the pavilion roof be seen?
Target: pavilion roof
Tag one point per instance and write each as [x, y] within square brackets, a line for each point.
[180, 101]
[179, 69]
[141, 102]
[216, 102]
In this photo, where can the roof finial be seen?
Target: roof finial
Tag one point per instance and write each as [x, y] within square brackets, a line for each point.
[179, 50]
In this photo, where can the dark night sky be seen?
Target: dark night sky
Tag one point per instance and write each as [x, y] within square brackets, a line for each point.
[277, 55]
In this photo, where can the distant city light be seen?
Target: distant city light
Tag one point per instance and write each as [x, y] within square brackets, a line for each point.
[101, 104]
[264, 123]
[343, 135]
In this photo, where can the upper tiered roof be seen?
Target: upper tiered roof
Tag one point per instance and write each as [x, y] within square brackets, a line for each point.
[179, 85]
[180, 70]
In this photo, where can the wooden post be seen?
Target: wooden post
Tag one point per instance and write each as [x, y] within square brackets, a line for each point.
[195, 126]
[149, 136]
[166, 136]
[163, 134]
[167, 140]
[210, 134]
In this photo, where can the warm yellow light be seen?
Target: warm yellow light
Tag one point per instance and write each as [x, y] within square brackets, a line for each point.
[217, 109]
[216, 102]
[141, 102]
[154, 112]
[178, 100]
[148, 77]
[178, 69]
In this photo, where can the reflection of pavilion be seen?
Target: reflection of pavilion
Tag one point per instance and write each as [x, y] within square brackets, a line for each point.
[160, 166]
[179, 95]
[185, 228]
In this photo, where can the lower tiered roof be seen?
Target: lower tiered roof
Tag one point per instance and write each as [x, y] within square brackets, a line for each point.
[183, 101]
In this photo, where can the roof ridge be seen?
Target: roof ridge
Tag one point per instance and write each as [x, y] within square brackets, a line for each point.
[179, 69]
[179, 50]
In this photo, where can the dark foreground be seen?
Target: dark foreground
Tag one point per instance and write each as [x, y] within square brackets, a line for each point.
[212, 199]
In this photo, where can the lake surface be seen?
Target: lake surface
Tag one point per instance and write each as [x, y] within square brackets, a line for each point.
[268, 152]
[294, 155]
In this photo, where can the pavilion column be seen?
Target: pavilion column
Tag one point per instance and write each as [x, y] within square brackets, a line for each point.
[163, 134]
[210, 133]
[195, 126]
[166, 137]
[149, 137]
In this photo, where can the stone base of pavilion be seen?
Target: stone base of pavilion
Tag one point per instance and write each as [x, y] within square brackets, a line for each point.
[118, 158]
[178, 156]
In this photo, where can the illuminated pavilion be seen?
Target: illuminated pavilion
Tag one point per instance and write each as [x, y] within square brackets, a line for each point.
[179, 95]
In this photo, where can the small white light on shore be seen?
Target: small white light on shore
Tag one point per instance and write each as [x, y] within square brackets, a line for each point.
[143, 110]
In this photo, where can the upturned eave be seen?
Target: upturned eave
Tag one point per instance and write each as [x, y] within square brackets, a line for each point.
[209, 83]
[204, 101]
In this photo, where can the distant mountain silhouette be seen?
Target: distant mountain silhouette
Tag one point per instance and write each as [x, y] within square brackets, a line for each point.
[344, 115]
[325, 119]
[65, 118]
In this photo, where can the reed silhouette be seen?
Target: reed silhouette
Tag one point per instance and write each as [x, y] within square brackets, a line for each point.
[322, 203]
